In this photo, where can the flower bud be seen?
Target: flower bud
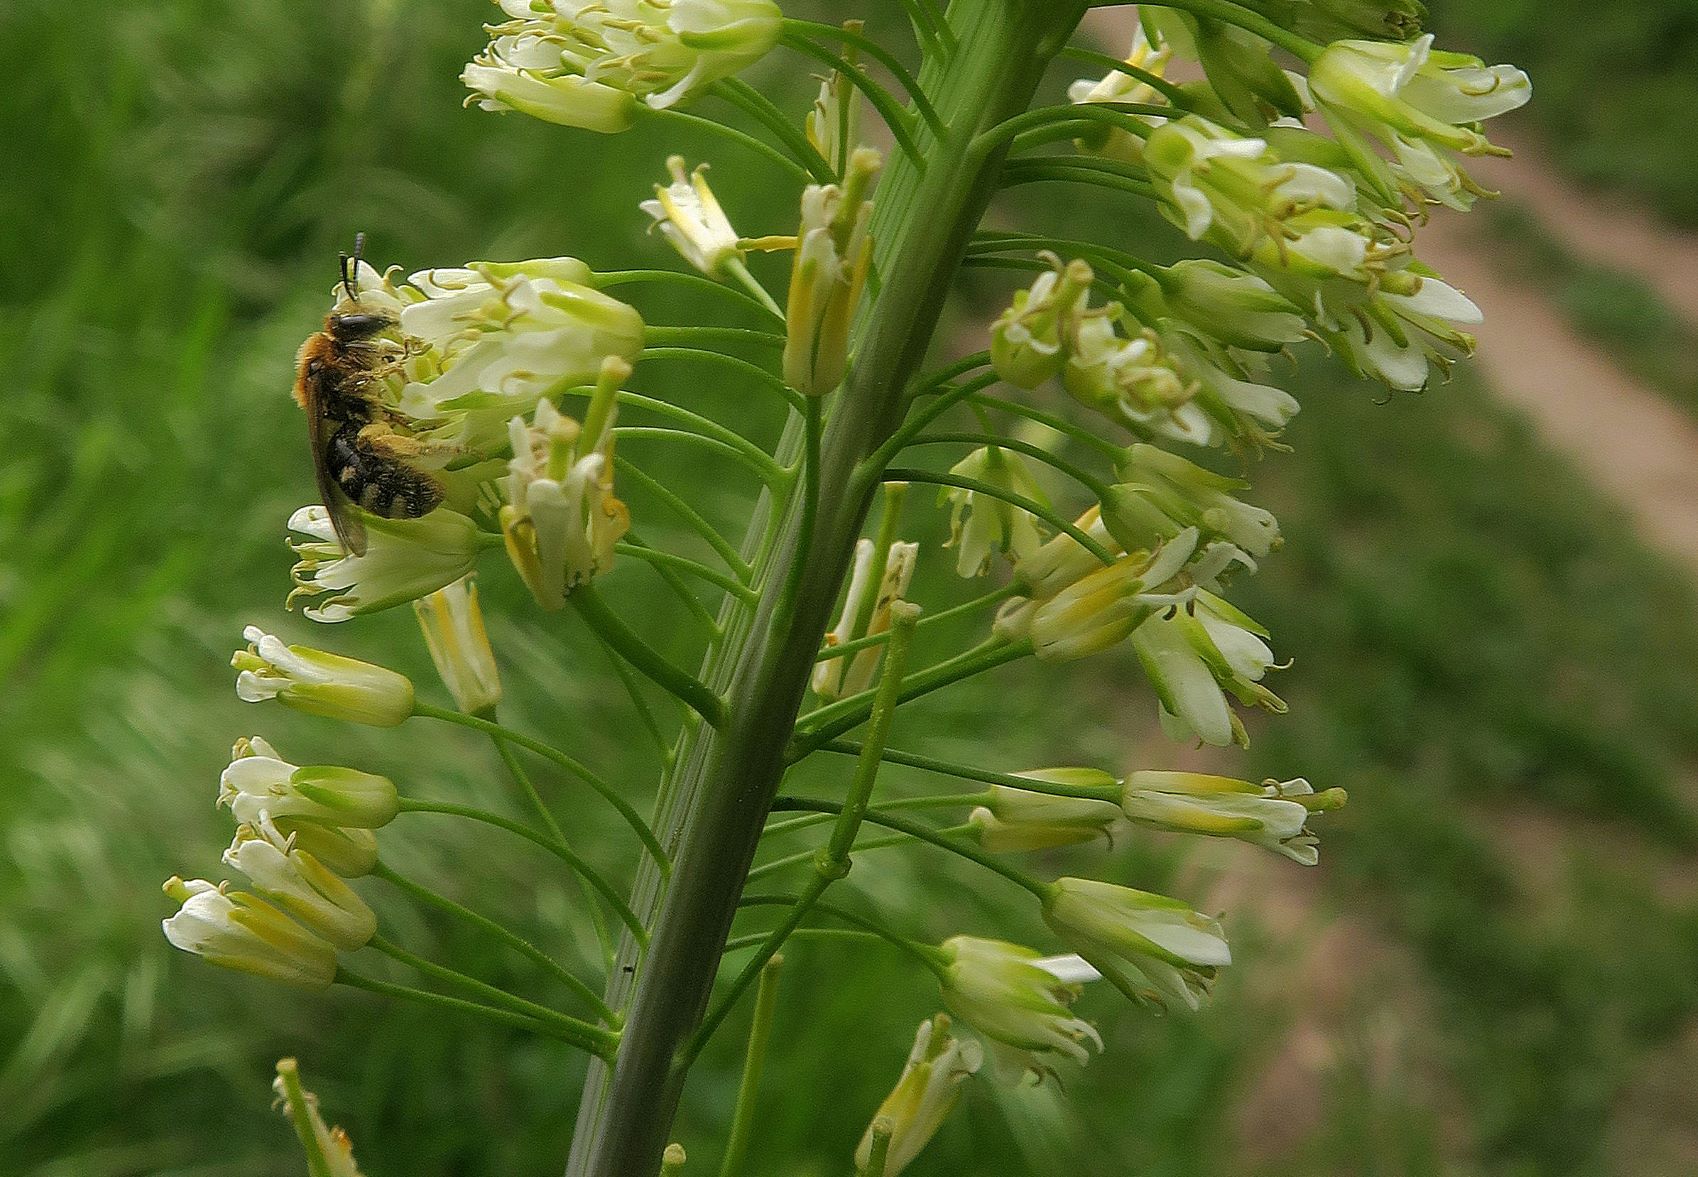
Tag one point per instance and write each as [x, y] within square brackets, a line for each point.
[981, 525]
[562, 519]
[1105, 606]
[1242, 72]
[1326, 21]
[350, 851]
[1109, 141]
[1030, 341]
[924, 1096]
[1148, 946]
[300, 885]
[405, 559]
[237, 931]
[586, 64]
[1004, 992]
[1224, 303]
[319, 683]
[832, 679]
[1161, 494]
[1062, 560]
[260, 783]
[1020, 820]
[1273, 815]
[689, 216]
[329, 1151]
[833, 257]
[453, 629]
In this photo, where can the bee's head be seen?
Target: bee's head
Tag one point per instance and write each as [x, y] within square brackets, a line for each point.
[352, 326]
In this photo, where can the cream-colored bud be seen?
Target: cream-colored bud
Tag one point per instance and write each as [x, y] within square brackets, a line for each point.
[452, 624]
[319, 683]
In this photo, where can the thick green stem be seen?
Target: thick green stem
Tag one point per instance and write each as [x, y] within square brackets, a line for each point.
[715, 804]
[832, 861]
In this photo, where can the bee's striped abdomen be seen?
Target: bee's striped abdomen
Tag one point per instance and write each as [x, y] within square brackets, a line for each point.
[380, 484]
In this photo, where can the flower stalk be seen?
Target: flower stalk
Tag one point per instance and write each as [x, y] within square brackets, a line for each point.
[715, 804]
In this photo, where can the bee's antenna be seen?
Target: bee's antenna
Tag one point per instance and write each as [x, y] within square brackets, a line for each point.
[351, 267]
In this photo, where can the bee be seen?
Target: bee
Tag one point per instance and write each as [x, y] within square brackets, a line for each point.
[359, 459]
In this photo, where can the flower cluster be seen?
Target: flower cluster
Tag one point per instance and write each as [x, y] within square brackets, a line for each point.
[302, 833]
[596, 63]
[503, 384]
[1320, 220]
[561, 520]
[485, 351]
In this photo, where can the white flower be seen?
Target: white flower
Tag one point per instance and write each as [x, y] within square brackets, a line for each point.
[1224, 303]
[1148, 946]
[586, 63]
[1062, 560]
[1234, 189]
[1393, 332]
[1423, 105]
[691, 219]
[259, 783]
[237, 931]
[453, 629]
[981, 525]
[1004, 992]
[498, 336]
[300, 885]
[1112, 142]
[925, 1094]
[1273, 815]
[562, 519]
[405, 559]
[319, 683]
[833, 126]
[1018, 819]
[1247, 410]
[1132, 381]
[836, 678]
[1161, 494]
[1193, 657]
[833, 257]
[1031, 339]
[328, 1147]
[1108, 604]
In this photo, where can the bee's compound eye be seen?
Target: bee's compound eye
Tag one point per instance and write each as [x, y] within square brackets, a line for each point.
[361, 324]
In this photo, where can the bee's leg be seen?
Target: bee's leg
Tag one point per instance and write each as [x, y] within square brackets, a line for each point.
[388, 485]
[381, 439]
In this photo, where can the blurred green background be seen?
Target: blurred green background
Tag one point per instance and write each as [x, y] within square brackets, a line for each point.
[1494, 971]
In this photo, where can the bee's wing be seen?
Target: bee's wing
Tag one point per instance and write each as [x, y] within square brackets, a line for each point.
[348, 527]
